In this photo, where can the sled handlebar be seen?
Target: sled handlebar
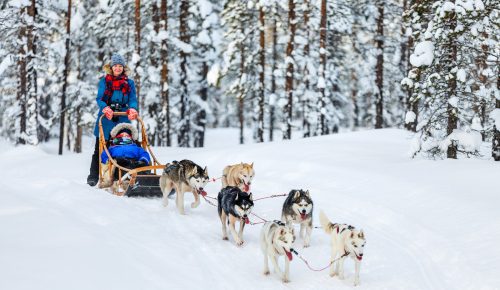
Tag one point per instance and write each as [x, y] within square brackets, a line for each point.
[120, 113]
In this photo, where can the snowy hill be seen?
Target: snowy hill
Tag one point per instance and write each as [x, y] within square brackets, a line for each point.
[428, 224]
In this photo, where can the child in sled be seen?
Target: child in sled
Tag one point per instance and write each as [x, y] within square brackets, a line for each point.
[126, 153]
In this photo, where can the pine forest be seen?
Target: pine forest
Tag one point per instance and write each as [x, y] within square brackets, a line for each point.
[276, 68]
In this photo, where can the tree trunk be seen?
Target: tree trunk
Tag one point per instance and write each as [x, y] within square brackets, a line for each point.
[21, 93]
[379, 96]
[287, 135]
[305, 105]
[354, 101]
[452, 85]
[65, 80]
[199, 138]
[260, 130]
[79, 130]
[273, 78]
[495, 146]
[334, 41]
[183, 136]
[137, 69]
[100, 55]
[322, 52]
[164, 74]
[242, 86]
[31, 75]
[411, 105]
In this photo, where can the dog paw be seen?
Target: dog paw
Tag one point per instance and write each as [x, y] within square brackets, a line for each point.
[225, 239]
[332, 274]
[165, 203]
[306, 245]
[356, 283]
[266, 272]
[286, 280]
[239, 242]
[195, 204]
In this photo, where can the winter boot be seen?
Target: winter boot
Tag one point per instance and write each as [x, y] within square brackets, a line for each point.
[92, 180]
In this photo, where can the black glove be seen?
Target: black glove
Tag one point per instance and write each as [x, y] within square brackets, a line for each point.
[123, 162]
[140, 163]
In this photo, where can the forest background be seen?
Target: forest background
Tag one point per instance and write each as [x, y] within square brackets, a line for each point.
[275, 67]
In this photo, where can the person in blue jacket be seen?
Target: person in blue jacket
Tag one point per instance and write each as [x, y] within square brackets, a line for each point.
[116, 94]
[124, 150]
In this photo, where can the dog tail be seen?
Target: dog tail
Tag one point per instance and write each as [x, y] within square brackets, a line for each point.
[325, 223]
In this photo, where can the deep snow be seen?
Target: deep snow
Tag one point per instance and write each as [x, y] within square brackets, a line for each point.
[429, 224]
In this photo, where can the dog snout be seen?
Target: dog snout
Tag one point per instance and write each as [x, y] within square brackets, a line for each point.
[361, 255]
[201, 188]
[245, 216]
[303, 211]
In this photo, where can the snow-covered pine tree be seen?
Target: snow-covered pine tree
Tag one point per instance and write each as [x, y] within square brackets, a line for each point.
[441, 78]
[240, 20]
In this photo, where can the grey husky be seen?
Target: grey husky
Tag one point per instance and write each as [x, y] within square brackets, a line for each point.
[298, 208]
[184, 176]
[234, 205]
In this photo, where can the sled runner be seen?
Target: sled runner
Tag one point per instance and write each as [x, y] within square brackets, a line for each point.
[140, 184]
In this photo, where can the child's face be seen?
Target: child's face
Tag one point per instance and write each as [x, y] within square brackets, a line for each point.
[125, 134]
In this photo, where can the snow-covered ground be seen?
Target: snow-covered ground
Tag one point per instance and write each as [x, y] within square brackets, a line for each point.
[429, 224]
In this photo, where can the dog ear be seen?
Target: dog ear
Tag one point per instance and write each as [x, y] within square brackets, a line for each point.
[241, 165]
[352, 235]
[361, 234]
[282, 231]
[195, 170]
[250, 196]
[236, 196]
[307, 194]
[293, 231]
[297, 194]
[205, 171]
[251, 165]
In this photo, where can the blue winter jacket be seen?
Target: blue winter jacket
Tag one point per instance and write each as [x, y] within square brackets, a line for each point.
[131, 151]
[130, 102]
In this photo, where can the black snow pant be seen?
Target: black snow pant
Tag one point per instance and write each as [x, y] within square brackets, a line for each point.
[128, 163]
[94, 165]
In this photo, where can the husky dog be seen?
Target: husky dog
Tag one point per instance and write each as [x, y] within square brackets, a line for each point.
[235, 205]
[277, 240]
[346, 241]
[239, 175]
[184, 176]
[298, 208]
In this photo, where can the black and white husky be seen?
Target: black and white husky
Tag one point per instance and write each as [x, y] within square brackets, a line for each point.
[345, 241]
[234, 205]
[298, 208]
